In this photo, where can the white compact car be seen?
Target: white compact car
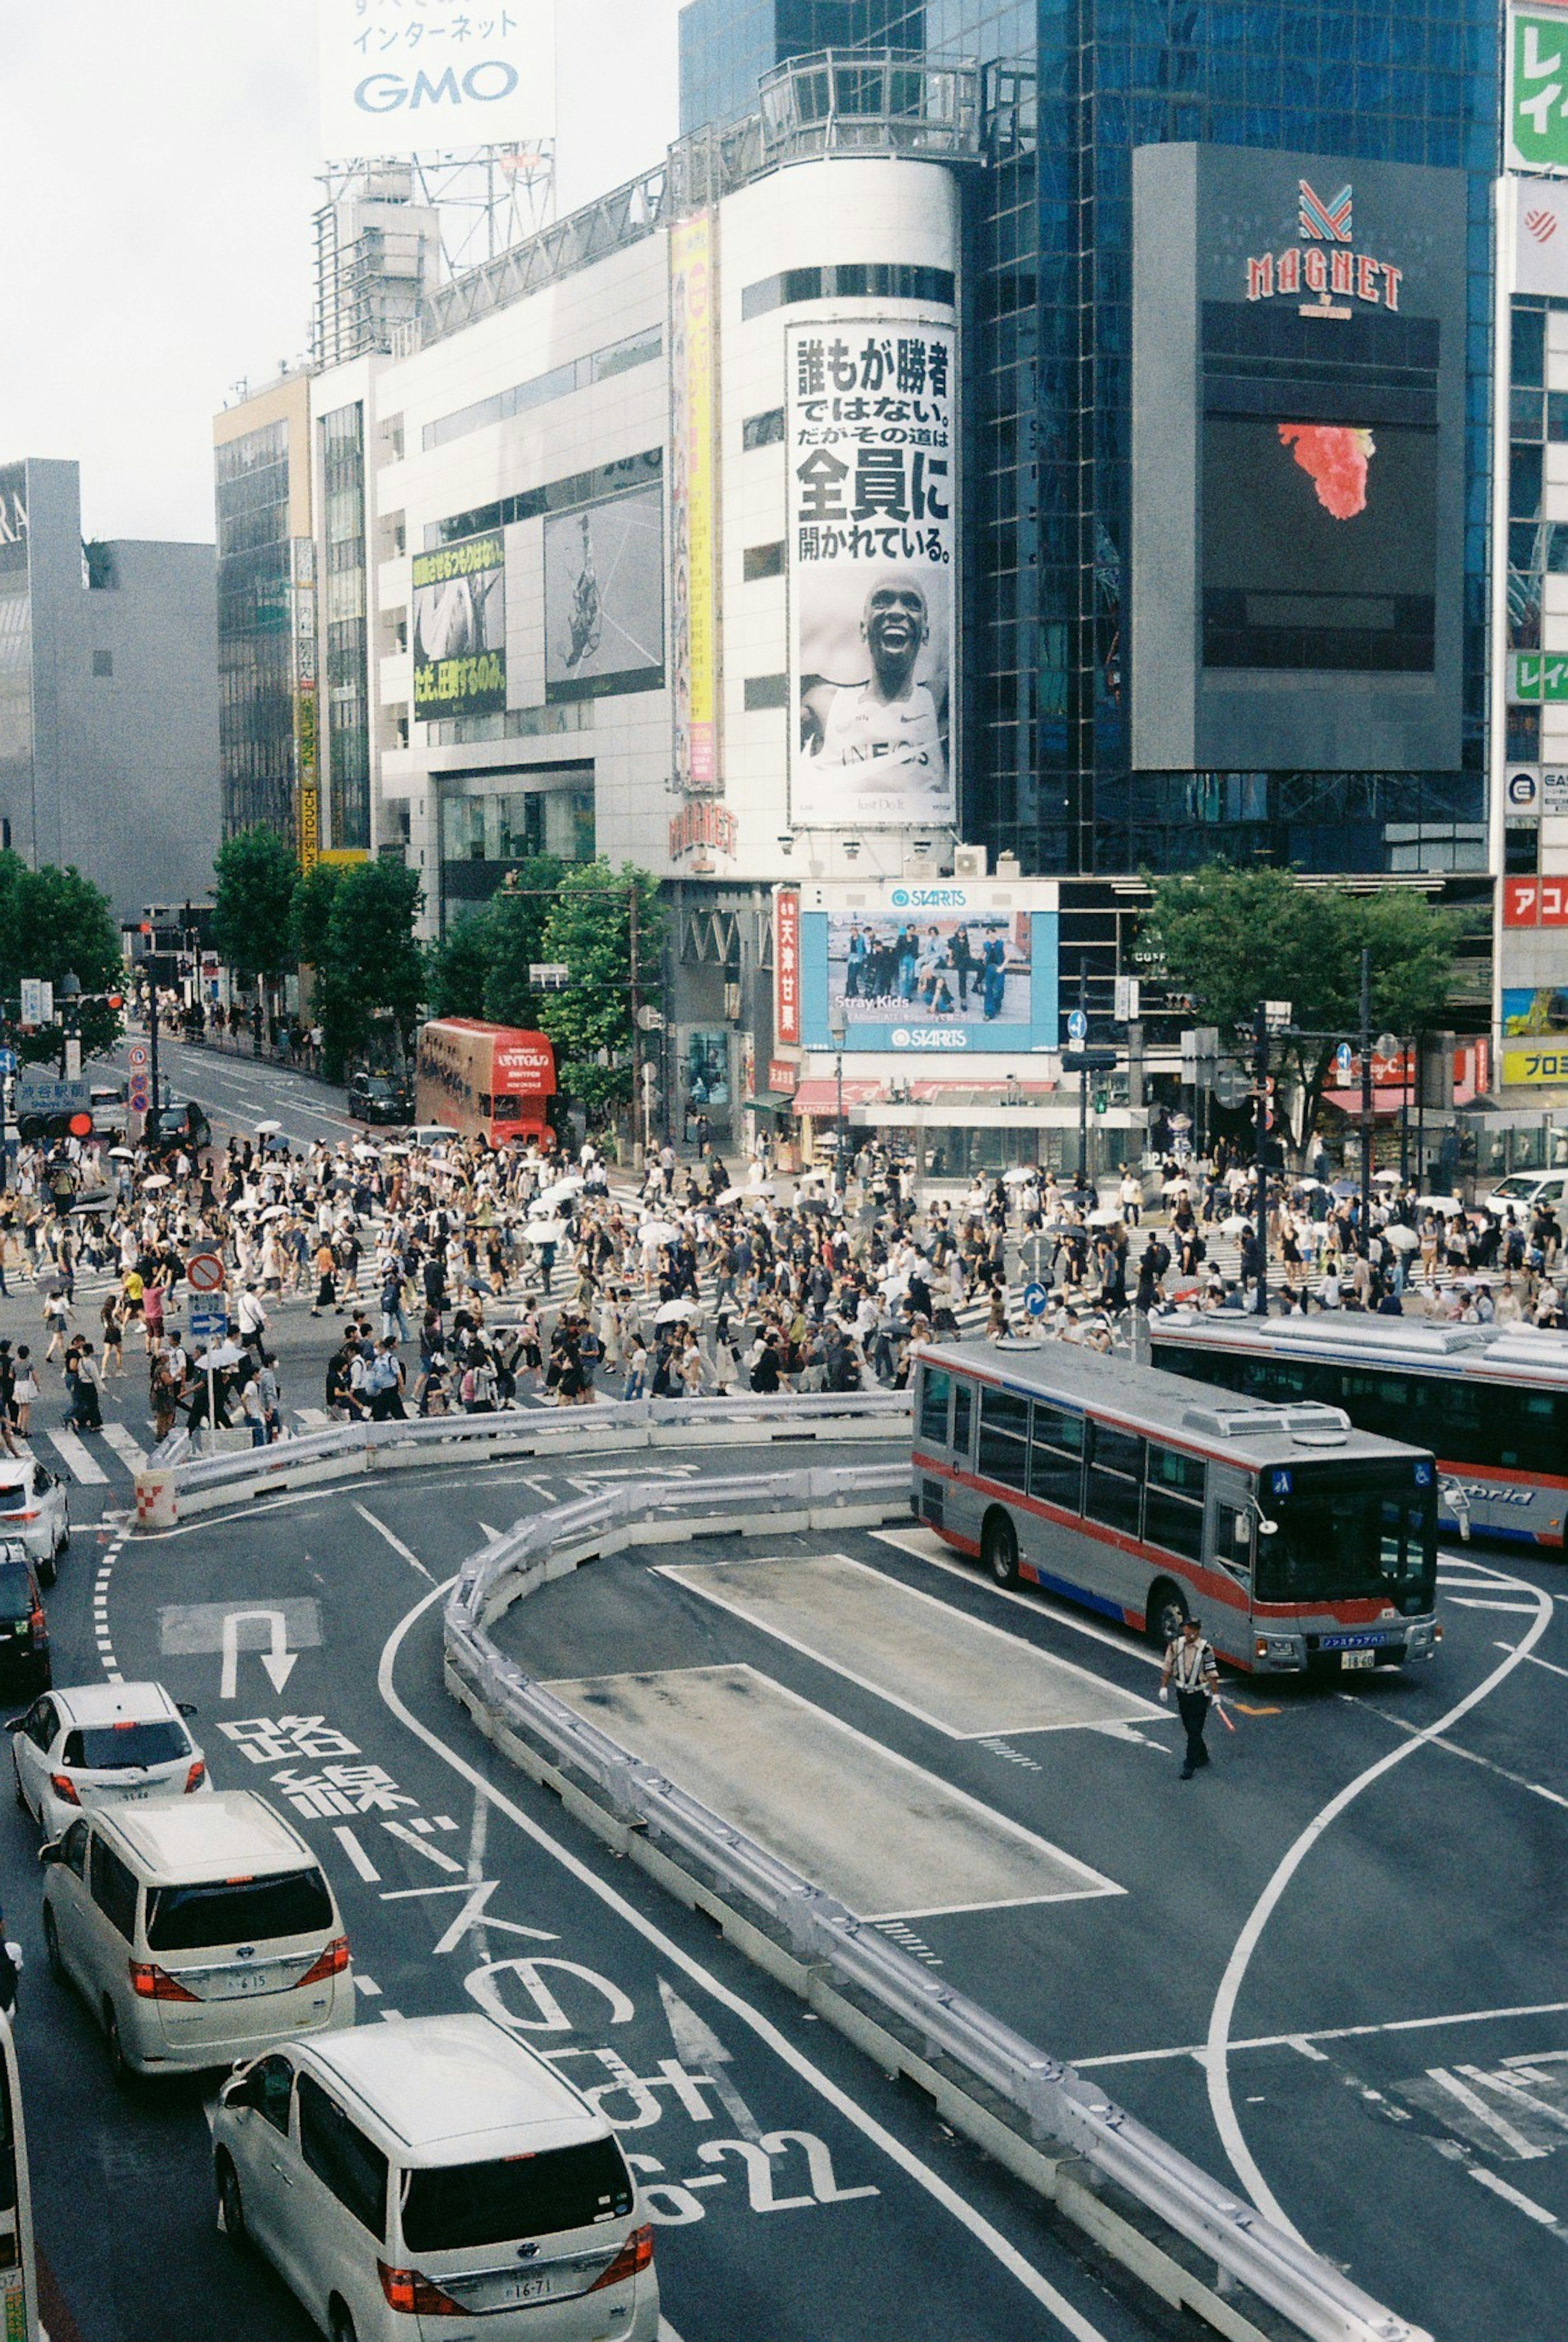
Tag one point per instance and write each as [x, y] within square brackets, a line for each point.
[197, 1930]
[432, 2170]
[99, 1744]
[1522, 1192]
[35, 1513]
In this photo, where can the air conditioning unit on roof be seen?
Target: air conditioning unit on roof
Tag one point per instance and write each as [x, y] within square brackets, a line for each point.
[969, 862]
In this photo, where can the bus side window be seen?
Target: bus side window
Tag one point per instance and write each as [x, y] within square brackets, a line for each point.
[1234, 1542]
[963, 1412]
[935, 1388]
[1056, 1458]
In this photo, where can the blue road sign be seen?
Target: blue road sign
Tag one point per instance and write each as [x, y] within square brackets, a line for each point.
[209, 1324]
[7, 1061]
[1036, 1298]
[1077, 1025]
[1345, 1058]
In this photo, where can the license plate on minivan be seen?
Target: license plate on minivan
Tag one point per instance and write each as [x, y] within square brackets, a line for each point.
[512, 2292]
[1358, 1658]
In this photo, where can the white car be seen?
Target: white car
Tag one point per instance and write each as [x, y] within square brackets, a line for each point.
[35, 1513]
[405, 2174]
[1522, 1192]
[196, 1929]
[101, 1744]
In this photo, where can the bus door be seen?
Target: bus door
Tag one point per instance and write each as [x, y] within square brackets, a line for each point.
[945, 1429]
[1234, 1524]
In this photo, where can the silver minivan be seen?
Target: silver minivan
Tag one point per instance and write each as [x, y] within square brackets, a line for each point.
[405, 2174]
[197, 1929]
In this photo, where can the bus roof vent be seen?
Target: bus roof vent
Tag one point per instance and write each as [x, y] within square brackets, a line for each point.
[1233, 1422]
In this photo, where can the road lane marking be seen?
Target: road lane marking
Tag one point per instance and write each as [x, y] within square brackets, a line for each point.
[393, 1540]
[1535, 1660]
[1517, 1609]
[405, 1837]
[1474, 2104]
[985, 2234]
[124, 1446]
[1521, 2202]
[357, 1854]
[1217, 2048]
[81, 1465]
[101, 1633]
[1513, 2086]
[1199, 2050]
[912, 1541]
[1470, 1756]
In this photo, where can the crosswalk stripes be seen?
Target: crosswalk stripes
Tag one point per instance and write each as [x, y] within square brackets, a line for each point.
[82, 1465]
[313, 1418]
[116, 1436]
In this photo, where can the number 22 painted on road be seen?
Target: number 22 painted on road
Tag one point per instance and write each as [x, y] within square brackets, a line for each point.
[672, 2205]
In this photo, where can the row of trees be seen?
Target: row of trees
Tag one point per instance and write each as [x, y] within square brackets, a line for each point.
[1229, 938]
[352, 925]
[55, 923]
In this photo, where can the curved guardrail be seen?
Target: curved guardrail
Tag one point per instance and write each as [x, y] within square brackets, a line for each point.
[172, 1484]
[1058, 2105]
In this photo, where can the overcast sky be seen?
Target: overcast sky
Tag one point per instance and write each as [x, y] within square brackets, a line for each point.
[157, 179]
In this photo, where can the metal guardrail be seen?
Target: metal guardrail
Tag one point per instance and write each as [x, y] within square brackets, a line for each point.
[172, 1484]
[1057, 2103]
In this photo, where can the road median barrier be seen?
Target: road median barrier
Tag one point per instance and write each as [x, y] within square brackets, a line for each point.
[1196, 2244]
[173, 1486]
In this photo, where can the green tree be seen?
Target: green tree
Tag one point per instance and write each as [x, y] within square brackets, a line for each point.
[480, 968]
[310, 913]
[256, 874]
[457, 968]
[590, 929]
[52, 923]
[1229, 938]
[370, 962]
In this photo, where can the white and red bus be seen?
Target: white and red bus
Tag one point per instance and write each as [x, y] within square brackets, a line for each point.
[1490, 1401]
[1302, 1543]
[483, 1081]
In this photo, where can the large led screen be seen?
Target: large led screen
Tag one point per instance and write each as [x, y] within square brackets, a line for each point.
[930, 971]
[605, 597]
[460, 629]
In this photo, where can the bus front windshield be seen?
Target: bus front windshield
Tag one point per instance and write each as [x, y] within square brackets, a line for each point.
[1349, 1531]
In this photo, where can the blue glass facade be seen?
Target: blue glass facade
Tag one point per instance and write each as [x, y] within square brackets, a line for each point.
[1074, 86]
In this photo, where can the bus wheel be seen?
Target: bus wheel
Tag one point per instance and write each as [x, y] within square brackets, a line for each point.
[999, 1549]
[1166, 1613]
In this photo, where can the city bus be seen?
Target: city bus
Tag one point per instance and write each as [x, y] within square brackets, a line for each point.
[1302, 1543]
[18, 2263]
[1490, 1401]
[483, 1081]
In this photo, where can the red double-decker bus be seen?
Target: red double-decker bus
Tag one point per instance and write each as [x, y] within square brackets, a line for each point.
[483, 1081]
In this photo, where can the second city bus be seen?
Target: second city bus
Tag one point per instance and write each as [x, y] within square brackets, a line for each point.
[1302, 1543]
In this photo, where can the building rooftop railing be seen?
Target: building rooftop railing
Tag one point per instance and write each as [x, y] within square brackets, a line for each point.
[895, 104]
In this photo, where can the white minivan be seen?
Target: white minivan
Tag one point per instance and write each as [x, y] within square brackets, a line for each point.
[197, 1929]
[408, 2174]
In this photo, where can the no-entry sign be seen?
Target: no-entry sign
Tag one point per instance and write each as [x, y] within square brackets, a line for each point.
[205, 1272]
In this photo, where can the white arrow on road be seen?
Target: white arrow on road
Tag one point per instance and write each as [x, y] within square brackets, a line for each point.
[278, 1662]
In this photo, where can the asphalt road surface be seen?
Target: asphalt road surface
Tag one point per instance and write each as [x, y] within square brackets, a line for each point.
[798, 2194]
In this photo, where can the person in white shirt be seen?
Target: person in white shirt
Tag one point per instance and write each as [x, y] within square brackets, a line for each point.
[1190, 1659]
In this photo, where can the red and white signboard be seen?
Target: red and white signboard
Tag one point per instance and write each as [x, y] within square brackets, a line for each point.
[1535, 902]
[205, 1272]
[786, 966]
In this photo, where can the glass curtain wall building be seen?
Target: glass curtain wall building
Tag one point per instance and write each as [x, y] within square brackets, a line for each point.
[1073, 90]
[255, 646]
[347, 637]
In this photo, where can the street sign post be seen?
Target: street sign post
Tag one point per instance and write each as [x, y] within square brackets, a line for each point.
[1344, 1059]
[205, 1272]
[37, 1001]
[1035, 1299]
[7, 1061]
[1126, 1008]
[1077, 1026]
[209, 1324]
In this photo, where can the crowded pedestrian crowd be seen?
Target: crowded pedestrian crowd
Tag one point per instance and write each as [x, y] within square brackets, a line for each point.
[453, 1279]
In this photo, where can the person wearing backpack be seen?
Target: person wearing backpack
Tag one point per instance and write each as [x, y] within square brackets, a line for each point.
[384, 1385]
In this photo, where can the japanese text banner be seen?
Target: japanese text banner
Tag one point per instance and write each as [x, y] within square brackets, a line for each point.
[871, 454]
[435, 77]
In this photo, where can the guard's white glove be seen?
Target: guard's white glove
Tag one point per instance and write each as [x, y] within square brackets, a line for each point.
[1165, 1694]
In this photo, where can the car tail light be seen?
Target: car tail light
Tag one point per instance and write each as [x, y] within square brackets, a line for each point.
[333, 1962]
[408, 2290]
[1437, 1632]
[195, 1776]
[65, 1788]
[150, 1982]
[38, 1624]
[634, 2255]
[34, 1515]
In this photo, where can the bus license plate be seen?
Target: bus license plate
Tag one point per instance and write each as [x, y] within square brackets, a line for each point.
[1358, 1658]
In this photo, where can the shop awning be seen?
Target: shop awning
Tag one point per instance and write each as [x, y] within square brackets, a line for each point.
[818, 1097]
[770, 1102]
[1384, 1107]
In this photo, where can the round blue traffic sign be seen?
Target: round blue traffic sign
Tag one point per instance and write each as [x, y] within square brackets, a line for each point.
[1036, 1298]
[1077, 1025]
[7, 1061]
[1345, 1058]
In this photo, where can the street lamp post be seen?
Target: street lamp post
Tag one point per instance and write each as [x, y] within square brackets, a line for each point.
[70, 990]
[840, 1031]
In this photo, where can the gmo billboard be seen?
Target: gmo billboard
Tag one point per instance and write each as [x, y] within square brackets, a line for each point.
[940, 971]
[435, 77]
[1298, 478]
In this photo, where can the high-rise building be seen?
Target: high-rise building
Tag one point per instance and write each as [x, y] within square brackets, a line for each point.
[1073, 92]
[267, 620]
[108, 717]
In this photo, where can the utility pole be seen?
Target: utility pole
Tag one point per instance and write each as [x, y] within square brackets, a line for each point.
[1084, 1083]
[1261, 1088]
[639, 1102]
[153, 1045]
[1366, 1089]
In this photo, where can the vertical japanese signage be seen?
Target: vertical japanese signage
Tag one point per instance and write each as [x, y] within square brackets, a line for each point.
[1535, 135]
[694, 502]
[307, 732]
[460, 629]
[872, 446]
[786, 966]
[417, 76]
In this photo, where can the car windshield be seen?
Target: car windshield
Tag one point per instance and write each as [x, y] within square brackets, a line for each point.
[238, 1911]
[473, 2203]
[1351, 1532]
[15, 1591]
[119, 1747]
[1517, 1186]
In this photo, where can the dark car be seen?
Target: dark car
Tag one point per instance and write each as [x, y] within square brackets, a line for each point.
[179, 1122]
[376, 1097]
[23, 1629]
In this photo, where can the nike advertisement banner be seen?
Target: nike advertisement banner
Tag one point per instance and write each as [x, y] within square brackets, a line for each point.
[871, 434]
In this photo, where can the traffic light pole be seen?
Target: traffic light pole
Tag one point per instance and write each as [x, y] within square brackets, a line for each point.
[1260, 1100]
[1083, 1085]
